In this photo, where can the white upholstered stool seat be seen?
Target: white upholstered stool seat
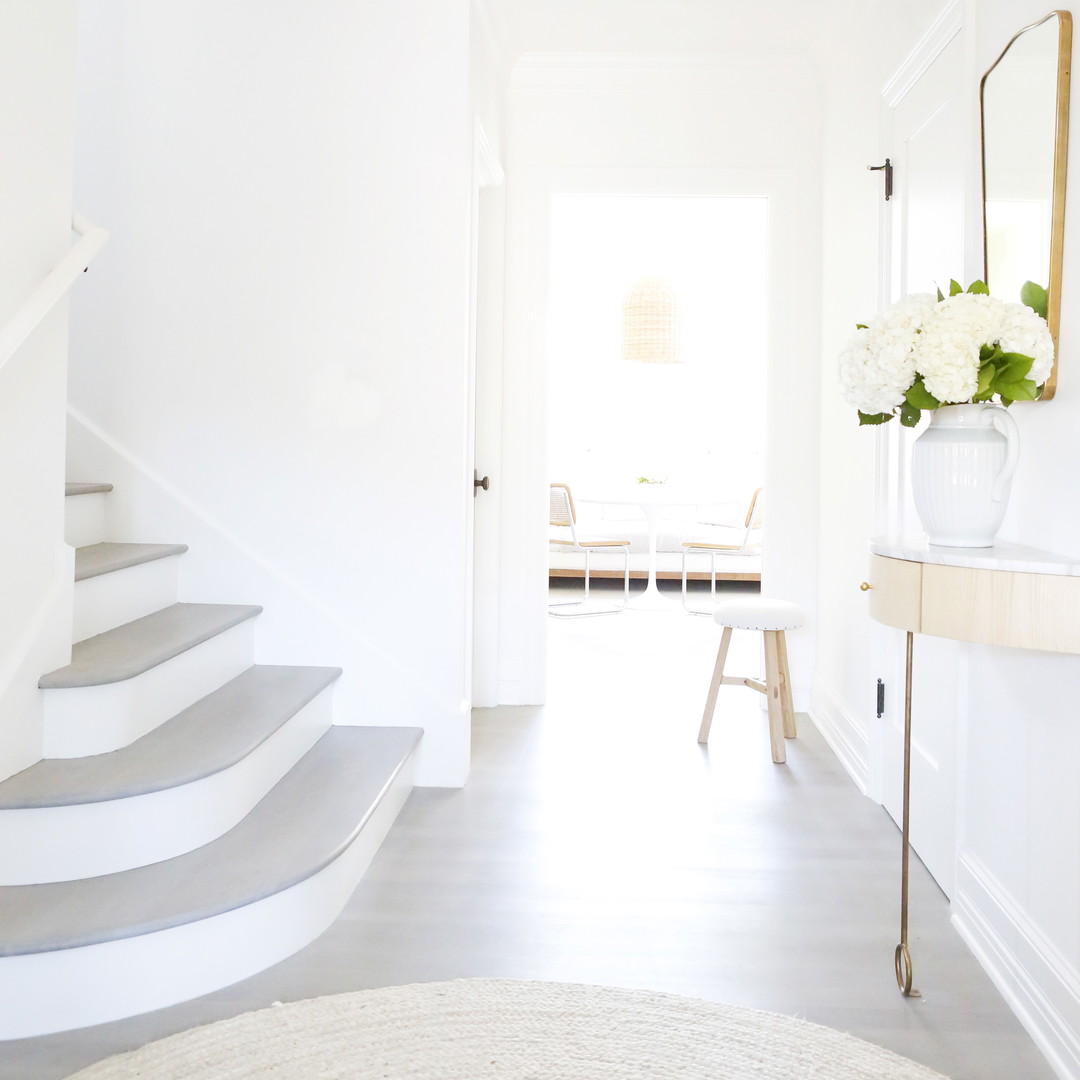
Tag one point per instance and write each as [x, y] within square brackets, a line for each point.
[759, 613]
[772, 618]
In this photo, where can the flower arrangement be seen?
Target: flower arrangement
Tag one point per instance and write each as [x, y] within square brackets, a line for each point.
[925, 352]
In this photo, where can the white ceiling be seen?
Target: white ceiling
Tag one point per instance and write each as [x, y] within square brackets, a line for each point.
[674, 27]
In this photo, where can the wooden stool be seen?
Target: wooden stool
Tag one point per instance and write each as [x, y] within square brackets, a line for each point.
[772, 618]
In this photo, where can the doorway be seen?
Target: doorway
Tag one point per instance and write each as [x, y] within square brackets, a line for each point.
[656, 365]
[792, 375]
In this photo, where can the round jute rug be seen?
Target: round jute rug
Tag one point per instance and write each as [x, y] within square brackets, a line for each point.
[493, 1029]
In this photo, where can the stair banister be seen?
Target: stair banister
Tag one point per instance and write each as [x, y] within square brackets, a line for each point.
[52, 287]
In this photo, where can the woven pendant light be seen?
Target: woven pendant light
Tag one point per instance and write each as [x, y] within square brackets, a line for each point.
[651, 323]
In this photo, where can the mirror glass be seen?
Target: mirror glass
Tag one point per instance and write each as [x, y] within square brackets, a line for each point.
[1025, 102]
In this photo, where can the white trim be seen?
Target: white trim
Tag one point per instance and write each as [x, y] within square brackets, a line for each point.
[1039, 984]
[603, 72]
[489, 171]
[930, 46]
[52, 287]
[492, 21]
[842, 731]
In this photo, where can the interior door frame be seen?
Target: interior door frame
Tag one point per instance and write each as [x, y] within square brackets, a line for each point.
[894, 512]
[790, 557]
[487, 237]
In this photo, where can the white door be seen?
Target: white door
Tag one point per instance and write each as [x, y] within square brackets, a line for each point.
[929, 146]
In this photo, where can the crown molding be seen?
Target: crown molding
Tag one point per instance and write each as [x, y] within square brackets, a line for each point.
[931, 45]
[621, 72]
[493, 23]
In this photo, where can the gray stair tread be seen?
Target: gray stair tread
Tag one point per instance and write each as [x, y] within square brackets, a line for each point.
[135, 647]
[302, 825]
[78, 488]
[216, 732]
[96, 559]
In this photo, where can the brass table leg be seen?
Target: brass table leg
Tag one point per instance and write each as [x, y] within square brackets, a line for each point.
[902, 959]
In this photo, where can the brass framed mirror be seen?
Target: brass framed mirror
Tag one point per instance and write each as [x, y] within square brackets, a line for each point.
[1024, 106]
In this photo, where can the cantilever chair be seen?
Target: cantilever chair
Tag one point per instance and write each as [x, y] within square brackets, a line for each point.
[724, 540]
[563, 517]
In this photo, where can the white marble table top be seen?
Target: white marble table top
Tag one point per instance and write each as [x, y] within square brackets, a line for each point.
[1004, 555]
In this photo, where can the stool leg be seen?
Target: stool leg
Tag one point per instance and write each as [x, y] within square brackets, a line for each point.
[786, 706]
[772, 693]
[714, 686]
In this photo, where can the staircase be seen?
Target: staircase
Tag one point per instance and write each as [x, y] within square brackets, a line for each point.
[196, 818]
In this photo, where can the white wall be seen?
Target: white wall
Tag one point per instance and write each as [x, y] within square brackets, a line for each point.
[277, 340]
[742, 126]
[37, 49]
[1018, 844]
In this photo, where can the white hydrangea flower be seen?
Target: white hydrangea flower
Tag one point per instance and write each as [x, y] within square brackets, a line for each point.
[1026, 332]
[947, 349]
[877, 366]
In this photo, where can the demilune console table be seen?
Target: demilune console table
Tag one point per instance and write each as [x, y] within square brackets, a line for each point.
[1008, 594]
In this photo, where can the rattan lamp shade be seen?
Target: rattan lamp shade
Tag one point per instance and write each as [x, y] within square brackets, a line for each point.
[651, 323]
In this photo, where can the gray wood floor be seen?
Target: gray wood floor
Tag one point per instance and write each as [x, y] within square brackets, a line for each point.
[597, 842]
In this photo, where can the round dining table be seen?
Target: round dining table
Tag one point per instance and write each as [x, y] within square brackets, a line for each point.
[654, 501]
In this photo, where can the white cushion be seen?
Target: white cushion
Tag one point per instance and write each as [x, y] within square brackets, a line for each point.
[759, 613]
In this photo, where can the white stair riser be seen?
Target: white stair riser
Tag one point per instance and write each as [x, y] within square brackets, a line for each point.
[97, 719]
[62, 843]
[110, 600]
[42, 993]
[84, 519]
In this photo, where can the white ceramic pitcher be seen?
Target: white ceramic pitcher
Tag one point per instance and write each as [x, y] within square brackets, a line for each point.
[961, 470]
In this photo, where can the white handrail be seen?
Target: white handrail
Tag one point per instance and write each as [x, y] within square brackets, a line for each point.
[51, 287]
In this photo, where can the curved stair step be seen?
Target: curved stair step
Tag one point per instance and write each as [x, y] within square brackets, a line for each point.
[106, 558]
[127, 943]
[127, 681]
[181, 786]
[216, 732]
[118, 583]
[138, 646]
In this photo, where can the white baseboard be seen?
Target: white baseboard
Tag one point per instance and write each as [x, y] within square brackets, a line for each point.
[1039, 984]
[847, 739]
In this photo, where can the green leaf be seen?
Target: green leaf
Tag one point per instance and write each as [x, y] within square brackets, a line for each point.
[861, 326]
[909, 414]
[987, 374]
[1006, 402]
[874, 418]
[979, 287]
[954, 287]
[940, 295]
[1034, 296]
[1015, 366]
[921, 398]
[989, 352]
[1020, 390]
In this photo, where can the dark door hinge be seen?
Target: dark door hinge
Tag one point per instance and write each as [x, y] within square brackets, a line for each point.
[880, 699]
